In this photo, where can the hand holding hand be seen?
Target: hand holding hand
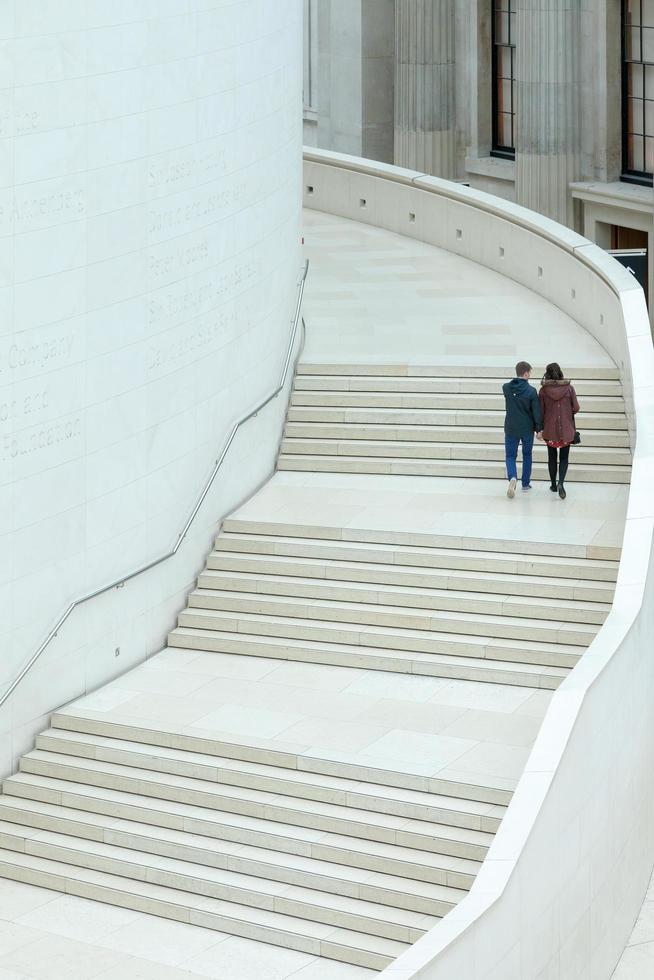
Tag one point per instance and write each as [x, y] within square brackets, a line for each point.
[539, 435]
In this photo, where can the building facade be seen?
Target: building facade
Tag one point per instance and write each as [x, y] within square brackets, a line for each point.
[550, 105]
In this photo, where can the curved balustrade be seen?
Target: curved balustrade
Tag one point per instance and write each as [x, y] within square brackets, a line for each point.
[565, 877]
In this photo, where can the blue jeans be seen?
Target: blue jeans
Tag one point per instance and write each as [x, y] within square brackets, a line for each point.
[511, 444]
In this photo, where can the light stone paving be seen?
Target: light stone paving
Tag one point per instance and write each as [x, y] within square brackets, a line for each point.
[374, 296]
[48, 936]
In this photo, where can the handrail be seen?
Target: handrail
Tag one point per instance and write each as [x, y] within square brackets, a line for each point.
[120, 582]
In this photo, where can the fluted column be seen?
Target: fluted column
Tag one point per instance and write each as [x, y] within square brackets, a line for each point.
[425, 131]
[548, 139]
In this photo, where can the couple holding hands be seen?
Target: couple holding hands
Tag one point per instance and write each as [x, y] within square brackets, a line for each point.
[549, 414]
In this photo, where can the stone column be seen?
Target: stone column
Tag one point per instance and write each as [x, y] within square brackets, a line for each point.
[425, 130]
[548, 137]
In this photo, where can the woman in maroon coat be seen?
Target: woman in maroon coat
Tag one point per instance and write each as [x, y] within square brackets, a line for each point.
[559, 405]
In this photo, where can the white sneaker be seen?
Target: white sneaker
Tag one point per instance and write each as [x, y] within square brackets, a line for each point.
[511, 491]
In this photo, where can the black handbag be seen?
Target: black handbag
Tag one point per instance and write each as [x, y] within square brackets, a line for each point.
[577, 438]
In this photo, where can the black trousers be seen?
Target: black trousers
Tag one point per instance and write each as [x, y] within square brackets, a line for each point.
[563, 453]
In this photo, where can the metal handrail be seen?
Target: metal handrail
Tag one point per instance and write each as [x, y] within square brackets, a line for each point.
[119, 582]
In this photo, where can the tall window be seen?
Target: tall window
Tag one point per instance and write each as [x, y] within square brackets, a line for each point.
[504, 35]
[638, 90]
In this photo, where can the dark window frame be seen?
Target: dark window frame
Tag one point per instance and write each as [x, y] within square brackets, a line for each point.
[498, 149]
[629, 174]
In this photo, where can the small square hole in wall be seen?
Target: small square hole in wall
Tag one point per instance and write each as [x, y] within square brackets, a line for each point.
[501, 252]
[309, 189]
[362, 202]
[459, 233]
[412, 217]
[573, 293]
[540, 272]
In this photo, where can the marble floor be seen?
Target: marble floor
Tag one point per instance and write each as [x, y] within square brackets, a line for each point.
[373, 297]
[637, 960]
[593, 514]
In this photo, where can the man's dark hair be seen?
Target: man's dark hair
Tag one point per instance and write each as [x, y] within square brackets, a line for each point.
[521, 368]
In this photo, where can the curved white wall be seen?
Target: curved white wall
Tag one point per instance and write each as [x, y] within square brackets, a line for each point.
[566, 874]
[150, 155]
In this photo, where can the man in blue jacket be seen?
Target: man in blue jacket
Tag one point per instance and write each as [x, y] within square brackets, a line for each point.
[523, 418]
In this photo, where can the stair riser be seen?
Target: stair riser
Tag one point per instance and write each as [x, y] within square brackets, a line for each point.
[433, 433]
[442, 451]
[208, 920]
[432, 874]
[380, 617]
[397, 576]
[434, 417]
[244, 807]
[433, 560]
[348, 592]
[493, 674]
[226, 862]
[431, 385]
[229, 893]
[491, 471]
[275, 785]
[479, 403]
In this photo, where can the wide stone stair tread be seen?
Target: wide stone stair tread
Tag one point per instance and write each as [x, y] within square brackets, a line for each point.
[380, 431]
[373, 614]
[401, 859]
[431, 898]
[441, 450]
[398, 415]
[477, 469]
[433, 383]
[402, 399]
[417, 576]
[567, 610]
[312, 814]
[381, 368]
[282, 544]
[241, 920]
[396, 639]
[398, 801]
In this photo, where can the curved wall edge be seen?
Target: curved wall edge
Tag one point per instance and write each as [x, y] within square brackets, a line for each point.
[564, 879]
[150, 174]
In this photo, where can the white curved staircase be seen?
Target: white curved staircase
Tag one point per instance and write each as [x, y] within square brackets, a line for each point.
[348, 861]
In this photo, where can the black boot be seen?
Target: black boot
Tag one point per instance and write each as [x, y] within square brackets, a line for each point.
[562, 493]
[554, 488]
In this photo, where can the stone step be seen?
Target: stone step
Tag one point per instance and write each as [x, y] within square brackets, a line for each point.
[453, 600]
[361, 915]
[506, 371]
[472, 554]
[435, 384]
[361, 614]
[315, 815]
[482, 469]
[266, 752]
[453, 400]
[467, 451]
[329, 569]
[34, 817]
[471, 815]
[238, 920]
[157, 816]
[482, 667]
[461, 434]
[611, 420]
